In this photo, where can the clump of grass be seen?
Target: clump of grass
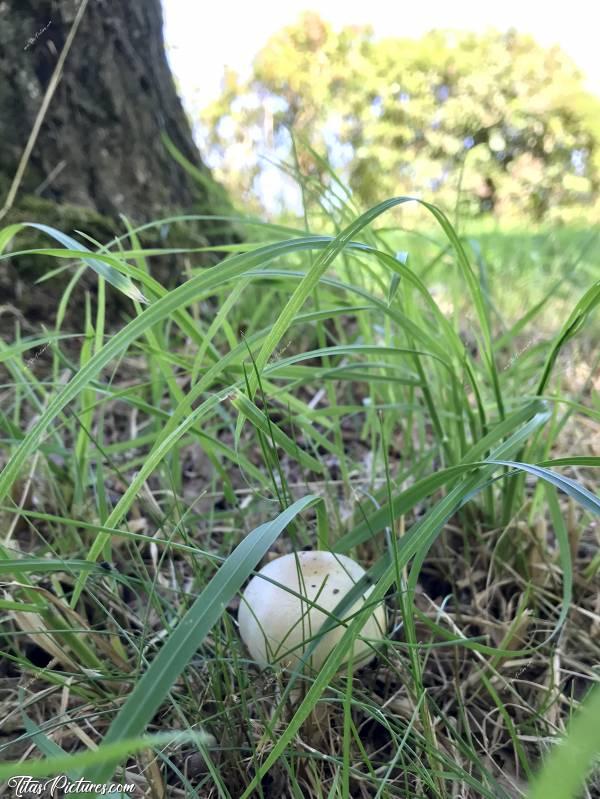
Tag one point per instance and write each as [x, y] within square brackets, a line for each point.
[310, 390]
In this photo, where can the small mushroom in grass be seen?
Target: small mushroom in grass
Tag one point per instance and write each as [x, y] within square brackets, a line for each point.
[277, 625]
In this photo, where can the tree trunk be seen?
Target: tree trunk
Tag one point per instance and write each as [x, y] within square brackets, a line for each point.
[101, 148]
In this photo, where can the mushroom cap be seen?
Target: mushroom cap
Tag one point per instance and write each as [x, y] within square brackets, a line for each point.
[277, 626]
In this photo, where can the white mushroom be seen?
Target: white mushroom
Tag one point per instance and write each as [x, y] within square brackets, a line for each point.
[277, 626]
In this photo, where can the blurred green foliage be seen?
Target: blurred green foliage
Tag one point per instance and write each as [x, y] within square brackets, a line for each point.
[495, 115]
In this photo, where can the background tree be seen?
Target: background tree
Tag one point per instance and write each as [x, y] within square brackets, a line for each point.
[509, 120]
[101, 148]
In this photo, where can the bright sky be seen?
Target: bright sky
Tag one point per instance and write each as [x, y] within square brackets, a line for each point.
[203, 38]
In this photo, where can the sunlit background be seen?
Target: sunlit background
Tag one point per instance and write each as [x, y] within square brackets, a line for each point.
[201, 44]
[387, 121]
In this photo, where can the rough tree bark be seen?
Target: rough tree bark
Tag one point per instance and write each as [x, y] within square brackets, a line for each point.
[100, 151]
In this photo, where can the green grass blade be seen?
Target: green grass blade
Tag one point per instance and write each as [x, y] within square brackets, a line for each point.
[121, 282]
[564, 772]
[154, 685]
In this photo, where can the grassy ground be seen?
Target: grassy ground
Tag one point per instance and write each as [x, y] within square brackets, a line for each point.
[425, 402]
